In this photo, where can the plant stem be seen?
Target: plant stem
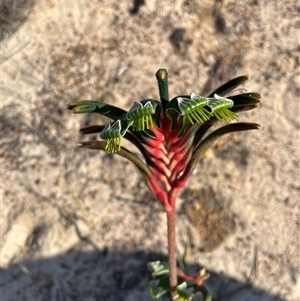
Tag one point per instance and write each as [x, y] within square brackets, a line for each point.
[171, 220]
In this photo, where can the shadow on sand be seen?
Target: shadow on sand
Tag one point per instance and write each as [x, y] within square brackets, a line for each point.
[104, 275]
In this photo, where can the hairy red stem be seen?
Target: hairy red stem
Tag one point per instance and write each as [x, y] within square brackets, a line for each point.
[171, 221]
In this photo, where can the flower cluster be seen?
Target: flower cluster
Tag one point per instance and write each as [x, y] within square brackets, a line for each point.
[171, 136]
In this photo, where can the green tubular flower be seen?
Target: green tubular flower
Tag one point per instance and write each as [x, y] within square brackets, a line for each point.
[113, 134]
[219, 108]
[193, 108]
[141, 114]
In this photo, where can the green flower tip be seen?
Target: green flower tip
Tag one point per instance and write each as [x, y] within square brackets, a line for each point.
[193, 109]
[141, 115]
[161, 74]
[82, 106]
[112, 134]
[219, 108]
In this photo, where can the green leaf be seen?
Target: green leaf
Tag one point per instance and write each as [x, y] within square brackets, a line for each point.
[158, 268]
[229, 86]
[188, 289]
[206, 293]
[93, 106]
[159, 287]
[185, 293]
[205, 144]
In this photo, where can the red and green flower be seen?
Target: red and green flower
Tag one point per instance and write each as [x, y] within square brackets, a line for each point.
[172, 136]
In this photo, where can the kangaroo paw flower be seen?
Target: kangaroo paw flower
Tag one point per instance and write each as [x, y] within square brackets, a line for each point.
[171, 137]
[141, 114]
[193, 108]
[113, 133]
[219, 107]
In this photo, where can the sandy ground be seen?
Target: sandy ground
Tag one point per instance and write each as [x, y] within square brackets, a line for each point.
[81, 225]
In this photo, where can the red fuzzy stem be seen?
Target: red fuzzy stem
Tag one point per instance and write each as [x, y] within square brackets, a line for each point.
[171, 219]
